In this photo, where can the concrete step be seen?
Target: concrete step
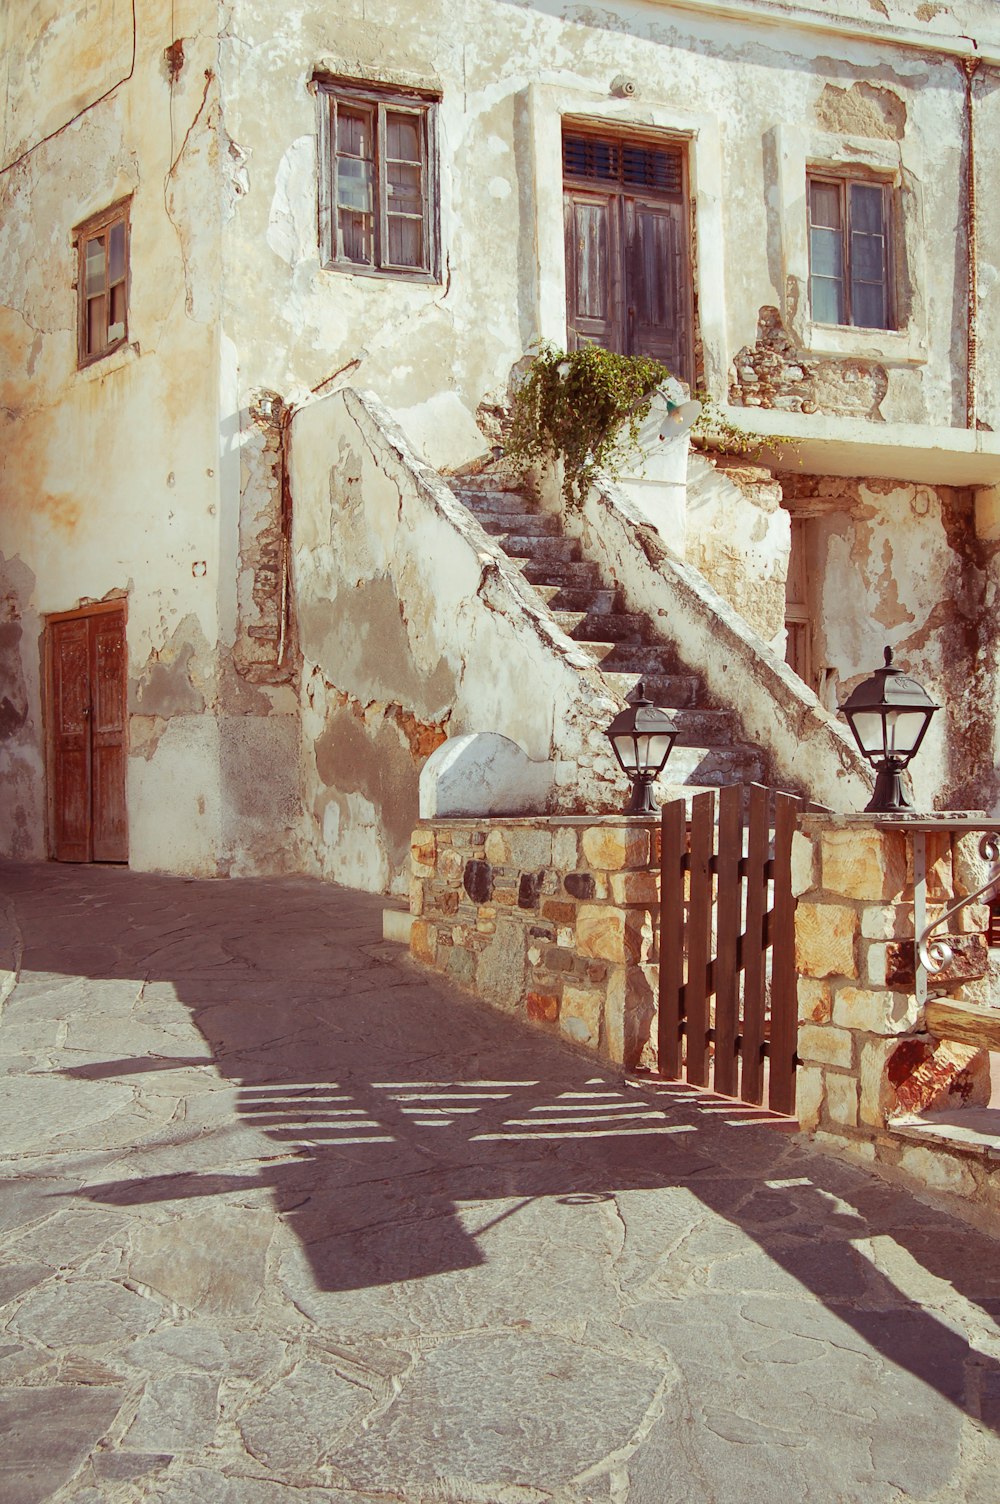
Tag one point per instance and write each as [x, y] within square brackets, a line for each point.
[715, 766]
[503, 525]
[672, 691]
[605, 626]
[565, 598]
[558, 550]
[643, 659]
[501, 504]
[697, 727]
[580, 573]
[488, 482]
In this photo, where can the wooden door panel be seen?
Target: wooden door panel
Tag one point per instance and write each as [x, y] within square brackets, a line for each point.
[87, 666]
[108, 667]
[656, 284]
[69, 649]
[593, 271]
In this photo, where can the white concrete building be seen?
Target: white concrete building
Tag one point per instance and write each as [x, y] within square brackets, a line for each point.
[265, 271]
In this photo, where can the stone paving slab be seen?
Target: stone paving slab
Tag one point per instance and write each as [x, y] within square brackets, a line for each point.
[285, 1221]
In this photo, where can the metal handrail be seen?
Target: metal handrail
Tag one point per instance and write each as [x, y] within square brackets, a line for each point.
[933, 955]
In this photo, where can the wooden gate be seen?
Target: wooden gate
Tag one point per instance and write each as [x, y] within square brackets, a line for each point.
[727, 945]
[86, 722]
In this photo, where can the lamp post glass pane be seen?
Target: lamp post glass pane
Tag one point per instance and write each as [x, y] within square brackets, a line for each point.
[903, 730]
[627, 749]
[870, 732]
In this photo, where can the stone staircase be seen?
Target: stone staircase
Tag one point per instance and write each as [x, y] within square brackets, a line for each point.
[624, 646]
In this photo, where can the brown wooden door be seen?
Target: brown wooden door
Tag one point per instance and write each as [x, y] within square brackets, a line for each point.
[628, 281]
[86, 660]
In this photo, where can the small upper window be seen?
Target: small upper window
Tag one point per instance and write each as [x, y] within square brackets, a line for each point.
[102, 282]
[849, 260]
[378, 189]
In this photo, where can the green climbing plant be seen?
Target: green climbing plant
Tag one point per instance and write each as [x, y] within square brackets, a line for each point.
[584, 407]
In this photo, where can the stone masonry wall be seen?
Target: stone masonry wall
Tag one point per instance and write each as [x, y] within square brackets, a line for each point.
[552, 919]
[867, 1062]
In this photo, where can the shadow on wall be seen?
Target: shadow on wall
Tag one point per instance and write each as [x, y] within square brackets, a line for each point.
[397, 1106]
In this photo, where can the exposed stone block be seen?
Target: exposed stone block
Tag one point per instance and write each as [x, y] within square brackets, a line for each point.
[815, 1001]
[609, 848]
[564, 847]
[514, 847]
[543, 1007]
[609, 934]
[809, 1095]
[826, 1045]
[423, 941]
[636, 888]
[502, 964]
[887, 922]
[629, 1012]
[423, 853]
[580, 884]
[842, 1099]
[450, 865]
[938, 1171]
[461, 964]
[580, 1014]
[866, 864]
[803, 863]
[874, 1011]
[925, 1075]
[824, 940]
[559, 913]
[529, 889]
[478, 881]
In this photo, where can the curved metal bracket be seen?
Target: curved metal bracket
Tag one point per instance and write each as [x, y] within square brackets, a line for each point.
[934, 955]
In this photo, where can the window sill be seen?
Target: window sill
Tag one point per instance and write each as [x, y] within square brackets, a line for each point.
[371, 273]
[106, 365]
[897, 347]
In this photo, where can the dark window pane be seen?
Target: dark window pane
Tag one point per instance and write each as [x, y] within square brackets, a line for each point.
[584, 157]
[868, 258]
[827, 300]
[356, 237]
[404, 188]
[868, 305]
[116, 326]
[96, 265]
[826, 253]
[116, 252]
[824, 205]
[405, 241]
[867, 203]
[354, 185]
[355, 131]
[96, 325]
[403, 137]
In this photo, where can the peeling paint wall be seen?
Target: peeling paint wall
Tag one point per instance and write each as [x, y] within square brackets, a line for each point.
[414, 627]
[119, 477]
[898, 565]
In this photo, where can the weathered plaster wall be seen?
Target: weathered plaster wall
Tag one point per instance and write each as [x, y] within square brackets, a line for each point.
[112, 476]
[898, 565]
[756, 106]
[414, 627]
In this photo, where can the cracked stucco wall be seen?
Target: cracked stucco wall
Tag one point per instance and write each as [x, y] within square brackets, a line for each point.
[121, 477]
[899, 565]
[414, 628]
[434, 352]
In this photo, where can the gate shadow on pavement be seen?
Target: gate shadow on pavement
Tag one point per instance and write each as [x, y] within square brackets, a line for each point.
[381, 1109]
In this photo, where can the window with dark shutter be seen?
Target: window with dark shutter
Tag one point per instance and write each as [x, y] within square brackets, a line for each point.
[849, 252]
[102, 245]
[378, 181]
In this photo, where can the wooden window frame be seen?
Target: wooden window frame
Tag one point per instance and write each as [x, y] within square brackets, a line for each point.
[92, 229]
[423, 105]
[844, 181]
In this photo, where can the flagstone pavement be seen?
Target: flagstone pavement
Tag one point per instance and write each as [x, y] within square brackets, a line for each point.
[284, 1220]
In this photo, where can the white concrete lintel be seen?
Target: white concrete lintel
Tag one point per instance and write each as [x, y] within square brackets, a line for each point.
[853, 446]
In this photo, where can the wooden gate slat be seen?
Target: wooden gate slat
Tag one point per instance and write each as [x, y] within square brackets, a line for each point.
[670, 1009]
[726, 976]
[699, 936]
[784, 1000]
[754, 975]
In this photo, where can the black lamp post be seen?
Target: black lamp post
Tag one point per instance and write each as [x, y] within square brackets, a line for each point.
[889, 715]
[642, 736]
